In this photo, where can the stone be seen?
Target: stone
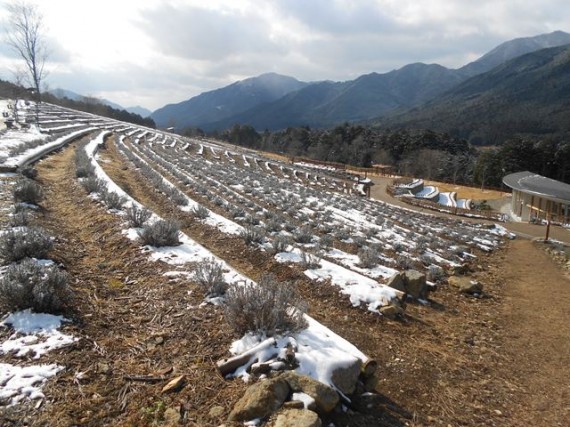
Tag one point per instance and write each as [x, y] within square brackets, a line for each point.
[460, 270]
[411, 282]
[326, 398]
[171, 416]
[465, 284]
[216, 411]
[294, 404]
[397, 282]
[391, 311]
[297, 418]
[345, 377]
[261, 399]
[103, 368]
[415, 283]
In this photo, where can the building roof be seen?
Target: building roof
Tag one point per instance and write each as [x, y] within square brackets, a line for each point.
[533, 183]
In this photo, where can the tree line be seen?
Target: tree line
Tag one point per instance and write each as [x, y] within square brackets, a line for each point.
[419, 153]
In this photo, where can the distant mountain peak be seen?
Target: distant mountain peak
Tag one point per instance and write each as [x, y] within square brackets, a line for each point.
[513, 48]
[227, 101]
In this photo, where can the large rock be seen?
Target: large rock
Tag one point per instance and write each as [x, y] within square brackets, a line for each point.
[297, 418]
[416, 284]
[326, 398]
[397, 282]
[411, 282]
[391, 311]
[465, 284]
[345, 377]
[261, 399]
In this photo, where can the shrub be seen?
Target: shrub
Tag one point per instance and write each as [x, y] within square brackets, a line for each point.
[251, 220]
[435, 273]
[19, 218]
[210, 276]
[270, 307]
[236, 212]
[359, 241]
[303, 235]
[326, 242]
[310, 261]
[200, 212]
[272, 224]
[92, 184]
[28, 191]
[368, 257]
[251, 234]
[83, 165]
[31, 242]
[280, 243]
[29, 172]
[161, 233]
[112, 199]
[404, 262]
[29, 285]
[398, 247]
[137, 216]
[342, 234]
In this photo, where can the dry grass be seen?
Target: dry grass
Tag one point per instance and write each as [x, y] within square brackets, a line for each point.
[464, 192]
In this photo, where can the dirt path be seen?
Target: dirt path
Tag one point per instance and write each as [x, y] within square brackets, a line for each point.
[536, 336]
[522, 229]
[131, 321]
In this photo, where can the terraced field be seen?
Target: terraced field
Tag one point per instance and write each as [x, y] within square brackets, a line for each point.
[142, 316]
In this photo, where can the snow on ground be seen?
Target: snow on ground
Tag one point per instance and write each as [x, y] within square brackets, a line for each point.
[360, 289]
[34, 334]
[213, 219]
[15, 137]
[19, 159]
[319, 351]
[353, 261]
[187, 252]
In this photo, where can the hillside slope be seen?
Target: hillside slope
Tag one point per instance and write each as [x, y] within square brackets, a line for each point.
[326, 104]
[220, 103]
[513, 48]
[527, 95]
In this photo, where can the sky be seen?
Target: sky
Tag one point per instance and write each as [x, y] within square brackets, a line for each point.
[157, 52]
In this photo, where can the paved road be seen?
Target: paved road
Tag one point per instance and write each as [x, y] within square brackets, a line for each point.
[522, 229]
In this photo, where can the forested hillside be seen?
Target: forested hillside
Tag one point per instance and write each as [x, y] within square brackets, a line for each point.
[527, 96]
[421, 153]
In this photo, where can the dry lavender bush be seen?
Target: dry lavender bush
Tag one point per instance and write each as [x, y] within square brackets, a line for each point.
[271, 307]
[30, 285]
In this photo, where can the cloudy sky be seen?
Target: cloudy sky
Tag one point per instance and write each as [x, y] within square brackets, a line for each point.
[155, 52]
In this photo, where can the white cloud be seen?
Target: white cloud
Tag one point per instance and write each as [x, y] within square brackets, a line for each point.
[153, 52]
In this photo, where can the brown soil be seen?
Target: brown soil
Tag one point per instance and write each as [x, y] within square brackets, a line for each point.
[500, 360]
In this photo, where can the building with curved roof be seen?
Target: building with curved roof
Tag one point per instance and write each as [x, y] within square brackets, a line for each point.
[538, 197]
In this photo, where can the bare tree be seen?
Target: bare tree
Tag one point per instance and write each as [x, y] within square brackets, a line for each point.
[25, 36]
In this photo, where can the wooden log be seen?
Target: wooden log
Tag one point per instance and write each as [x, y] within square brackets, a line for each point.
[368, 368]
[290, 353]
[261, 368]
[227, 366]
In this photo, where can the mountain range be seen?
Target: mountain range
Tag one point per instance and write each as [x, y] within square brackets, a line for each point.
[64, 93]
[426, 95]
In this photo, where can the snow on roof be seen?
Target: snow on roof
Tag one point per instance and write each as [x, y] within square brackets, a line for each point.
[533, 183]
